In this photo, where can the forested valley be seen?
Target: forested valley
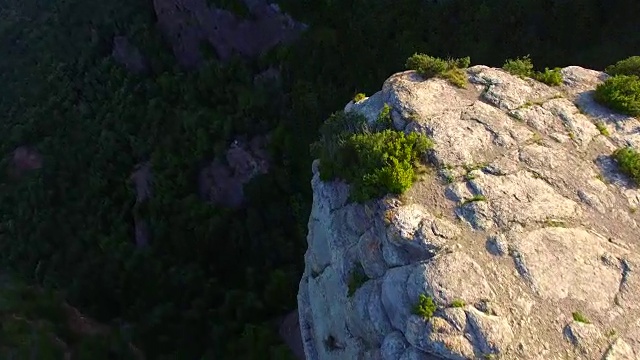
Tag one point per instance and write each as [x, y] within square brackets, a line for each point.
[213, 278]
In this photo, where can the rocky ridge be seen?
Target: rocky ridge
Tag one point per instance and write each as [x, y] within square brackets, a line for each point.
[524, 233]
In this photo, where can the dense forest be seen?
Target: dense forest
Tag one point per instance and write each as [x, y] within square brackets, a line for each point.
[213, 278]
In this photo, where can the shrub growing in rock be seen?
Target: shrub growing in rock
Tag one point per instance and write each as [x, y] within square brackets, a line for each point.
[578, 316]
[425, 307]
[620, 93]
[384, 120]
[356, 280]
[429, 66]
[359, 97]
[628, 160]
[551, 77]
[374, 163]
[628, 66]
[523, 67]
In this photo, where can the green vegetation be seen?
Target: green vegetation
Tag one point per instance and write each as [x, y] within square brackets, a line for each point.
[580, 317]
[474, 198]
[458, 303]
[552, 77]
[451, 69]
[425, 307]
[384, 121]
[620, 93]
[602, 128]
[555, 223]
[375, 163]
[356, 280]
[628, 160]
[523, 67]
[520, 66]
[470, 176]
[36, 323]
[628, 66]
[537, 138]
[359, 97]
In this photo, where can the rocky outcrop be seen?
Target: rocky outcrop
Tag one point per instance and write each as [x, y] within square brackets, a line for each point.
[142, 179]
[187, 24]
[219, 182]
[24, 159]
[524, 235]
[223, 183]
[128, 55]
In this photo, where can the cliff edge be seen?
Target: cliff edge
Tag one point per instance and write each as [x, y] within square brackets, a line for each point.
[520, 243]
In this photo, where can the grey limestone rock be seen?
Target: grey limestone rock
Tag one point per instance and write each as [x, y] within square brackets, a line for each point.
[535, 223]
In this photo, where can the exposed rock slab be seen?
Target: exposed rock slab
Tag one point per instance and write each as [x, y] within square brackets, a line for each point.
[526, 221]
[222, 182]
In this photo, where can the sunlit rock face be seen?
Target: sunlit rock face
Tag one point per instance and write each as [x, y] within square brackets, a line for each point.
[554, 231]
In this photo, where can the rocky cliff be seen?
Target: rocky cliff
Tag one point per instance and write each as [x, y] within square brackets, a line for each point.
[524, 234]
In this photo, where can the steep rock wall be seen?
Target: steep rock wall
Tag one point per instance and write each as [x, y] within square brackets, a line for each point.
[555, 233]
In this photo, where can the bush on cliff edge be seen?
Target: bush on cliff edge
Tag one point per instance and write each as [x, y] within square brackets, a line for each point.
[628, 66]
[450, 70]
[374, 163]
[620, 93]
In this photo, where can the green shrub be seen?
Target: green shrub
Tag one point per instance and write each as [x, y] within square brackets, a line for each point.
[374, 163]
[384, 120]
[474, 198]
[427, 66]
[523, 67]
[628, 160]
[425, 307]
[463, 63]
[520, 66]
[333, 134]
[551, 77]
[628, 66]
[620, 93]
[356, 280]
[457, 303]
[359, 97]
[580, 317]
[456, 77]
[602, 128]
[451, 69]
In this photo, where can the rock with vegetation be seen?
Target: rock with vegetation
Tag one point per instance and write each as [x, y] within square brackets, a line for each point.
[518, 240]
[188, 25]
